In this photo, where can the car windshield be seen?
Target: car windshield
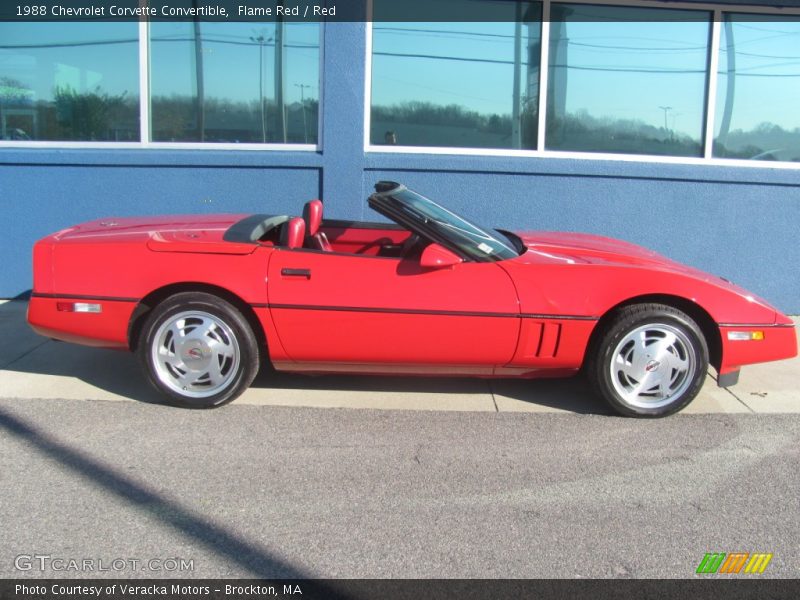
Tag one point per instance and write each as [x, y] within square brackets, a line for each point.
[471, 239]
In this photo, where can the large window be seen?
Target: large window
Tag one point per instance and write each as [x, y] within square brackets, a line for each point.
[69, 81]
[234, 82]
[758, 97]
[458, 84]
[627, 80]
[616, 79]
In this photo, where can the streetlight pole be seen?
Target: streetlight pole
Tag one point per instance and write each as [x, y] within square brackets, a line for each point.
[666, 109]
[516, 125]
[261, 40]
[303, 104]
[279, 83]
[200, 77]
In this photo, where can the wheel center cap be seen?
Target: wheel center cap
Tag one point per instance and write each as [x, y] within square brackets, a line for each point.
[195, 355]
[652, 366]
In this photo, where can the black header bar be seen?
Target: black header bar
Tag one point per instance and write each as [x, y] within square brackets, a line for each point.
[707, 588]
[294, 11]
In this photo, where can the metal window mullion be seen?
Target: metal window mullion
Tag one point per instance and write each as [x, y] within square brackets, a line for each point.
[144, 82]
[711, 84]
[320, 82]
[544, 57]
[368, 79]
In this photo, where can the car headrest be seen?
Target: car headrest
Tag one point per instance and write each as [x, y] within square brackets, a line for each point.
[294, 233]
[312, 213]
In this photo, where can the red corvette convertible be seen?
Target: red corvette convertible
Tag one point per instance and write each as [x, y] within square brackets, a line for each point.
[204, 300]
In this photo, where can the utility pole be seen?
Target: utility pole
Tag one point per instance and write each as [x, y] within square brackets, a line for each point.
[201, 92]
[279, 32]
[303, 104]
[516, 125]
[666, 109]
[260, 39]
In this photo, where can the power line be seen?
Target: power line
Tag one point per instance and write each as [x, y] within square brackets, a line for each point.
[136, 40]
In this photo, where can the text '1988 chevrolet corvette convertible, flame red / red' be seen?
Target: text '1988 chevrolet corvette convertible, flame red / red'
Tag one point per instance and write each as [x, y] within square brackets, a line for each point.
[204, 300]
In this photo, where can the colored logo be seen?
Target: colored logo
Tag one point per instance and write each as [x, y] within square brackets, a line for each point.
[652, 366]
[735, 562]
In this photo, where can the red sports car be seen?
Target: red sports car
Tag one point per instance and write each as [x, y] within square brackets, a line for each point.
[204, 300]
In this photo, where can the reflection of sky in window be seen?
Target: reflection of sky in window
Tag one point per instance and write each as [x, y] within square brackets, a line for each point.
[634, 70]
[81, 55]
[469, 64]
[767, 68]
[231, 60]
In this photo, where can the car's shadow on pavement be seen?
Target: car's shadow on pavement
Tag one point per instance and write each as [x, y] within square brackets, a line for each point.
[34, 367]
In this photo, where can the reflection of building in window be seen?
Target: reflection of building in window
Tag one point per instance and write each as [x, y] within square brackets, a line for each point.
[231, 82]
[619, 78]
[209, 82]
[72, 82]
[17, 115]
[467, 84]
[758, 89]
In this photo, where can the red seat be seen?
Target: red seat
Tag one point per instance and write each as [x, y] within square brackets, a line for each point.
[312, 213]
[293, 233]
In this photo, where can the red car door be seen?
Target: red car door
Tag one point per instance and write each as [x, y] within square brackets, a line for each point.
[366, 313]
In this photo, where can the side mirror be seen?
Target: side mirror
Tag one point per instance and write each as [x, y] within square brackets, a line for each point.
[436, 257]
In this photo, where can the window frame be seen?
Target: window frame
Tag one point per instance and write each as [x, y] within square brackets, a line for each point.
[145, 126]
[717, 12]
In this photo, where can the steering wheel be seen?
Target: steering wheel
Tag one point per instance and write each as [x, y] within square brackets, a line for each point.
[410, 245]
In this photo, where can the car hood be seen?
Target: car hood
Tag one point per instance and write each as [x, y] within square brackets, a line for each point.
[173, 233]
[557, 248]
[547, 246]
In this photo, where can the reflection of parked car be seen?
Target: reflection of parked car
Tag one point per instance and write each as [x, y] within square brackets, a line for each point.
[15, 133]
[781, 154]
[205, 299]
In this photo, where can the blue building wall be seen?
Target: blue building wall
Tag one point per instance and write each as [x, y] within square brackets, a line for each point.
[741, 223]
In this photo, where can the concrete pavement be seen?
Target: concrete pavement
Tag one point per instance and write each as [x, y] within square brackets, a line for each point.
[272, 491]
[34, 367]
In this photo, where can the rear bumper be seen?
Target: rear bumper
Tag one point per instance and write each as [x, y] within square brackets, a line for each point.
[106, 329]
[779, 342]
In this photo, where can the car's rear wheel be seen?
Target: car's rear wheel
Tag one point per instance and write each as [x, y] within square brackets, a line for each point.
[198, 350]
[649, 361]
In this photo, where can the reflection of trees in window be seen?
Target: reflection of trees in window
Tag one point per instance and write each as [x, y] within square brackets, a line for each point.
[71, 115]
[615, 74]
[14, 123]
[175, 119]
[69, 81]
[582, 132]
[232, 83]
[95, 115]
[765, 141]
[758, 89]
[429, 124]
[459, 84]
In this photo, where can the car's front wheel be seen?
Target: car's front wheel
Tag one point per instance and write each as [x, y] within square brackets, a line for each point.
[198, 350]
[649, 361]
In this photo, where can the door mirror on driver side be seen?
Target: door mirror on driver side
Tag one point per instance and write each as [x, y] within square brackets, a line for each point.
[436, 257]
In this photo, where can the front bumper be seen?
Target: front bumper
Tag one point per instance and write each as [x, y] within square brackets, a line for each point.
[779, 342]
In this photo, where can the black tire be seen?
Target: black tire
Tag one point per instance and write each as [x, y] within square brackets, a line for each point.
[198, 350]
[639, 341]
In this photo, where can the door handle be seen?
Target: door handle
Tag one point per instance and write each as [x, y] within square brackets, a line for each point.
[296, 273]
